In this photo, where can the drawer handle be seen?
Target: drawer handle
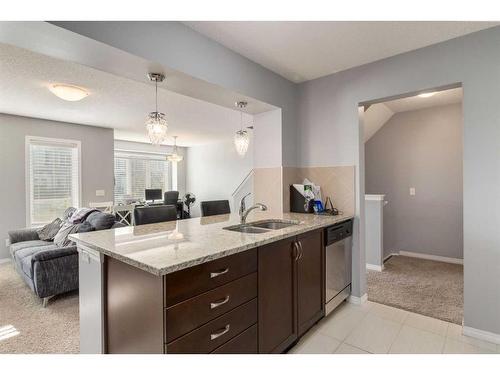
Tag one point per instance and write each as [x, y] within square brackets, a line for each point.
[218, 273]
[216, 335]
[218, 303]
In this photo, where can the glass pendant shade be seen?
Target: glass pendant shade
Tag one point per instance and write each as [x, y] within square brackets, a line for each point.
[174, 156]
[241, 138]
[157, 127]
[241, 142]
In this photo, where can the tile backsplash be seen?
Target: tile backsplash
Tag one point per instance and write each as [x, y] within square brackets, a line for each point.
[335, 182]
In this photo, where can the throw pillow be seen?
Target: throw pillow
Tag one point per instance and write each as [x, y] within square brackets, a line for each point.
[67, 213]
[84, 227]
[101, 220]
[49, 231]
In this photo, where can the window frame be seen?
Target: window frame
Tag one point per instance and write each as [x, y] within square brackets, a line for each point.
[154, 156]
[29, 139]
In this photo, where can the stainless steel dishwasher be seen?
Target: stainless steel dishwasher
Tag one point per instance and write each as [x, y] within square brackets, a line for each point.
[338, 264]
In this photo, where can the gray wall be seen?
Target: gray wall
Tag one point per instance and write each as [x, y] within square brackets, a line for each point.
[97, 165]
[328, 107]
[420, 149]
[374, 214]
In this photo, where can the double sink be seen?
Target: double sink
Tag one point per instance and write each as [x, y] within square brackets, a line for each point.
[263, 226]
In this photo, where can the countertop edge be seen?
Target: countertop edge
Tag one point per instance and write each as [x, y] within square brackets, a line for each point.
[212, 255]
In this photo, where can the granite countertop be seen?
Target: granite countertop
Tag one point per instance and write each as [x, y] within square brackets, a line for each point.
[171, 246]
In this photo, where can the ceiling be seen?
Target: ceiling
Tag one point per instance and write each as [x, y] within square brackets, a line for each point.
[301, 51]
[377, 115]
[413, 103]
[114, 102]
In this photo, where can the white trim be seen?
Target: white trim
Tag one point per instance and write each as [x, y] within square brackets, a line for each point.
[28, 139]
[358, 300]
[374, 267]
[481, 335]
[4, 260]
[431, 257]
[374, 197]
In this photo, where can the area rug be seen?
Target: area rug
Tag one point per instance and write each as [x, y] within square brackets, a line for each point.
[27, 327]
[426, 287]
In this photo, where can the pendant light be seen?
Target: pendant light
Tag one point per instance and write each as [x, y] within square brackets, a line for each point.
[241, 138]
[156, 123]
[174, 156]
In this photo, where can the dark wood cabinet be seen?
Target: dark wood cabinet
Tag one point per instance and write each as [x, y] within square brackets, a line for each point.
[277, 294]
[291, 287]
[261, 300]
[310, 281]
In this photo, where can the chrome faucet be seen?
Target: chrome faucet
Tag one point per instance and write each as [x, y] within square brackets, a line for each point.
[244, 212]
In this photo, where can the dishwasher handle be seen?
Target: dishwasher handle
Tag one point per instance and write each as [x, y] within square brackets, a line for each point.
[338, 232]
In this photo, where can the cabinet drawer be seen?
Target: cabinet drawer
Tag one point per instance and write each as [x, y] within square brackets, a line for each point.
[217, 332]
[244, 343]
[192, 313]
[192, 281]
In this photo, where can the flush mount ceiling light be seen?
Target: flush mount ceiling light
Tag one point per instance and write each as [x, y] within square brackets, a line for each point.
[68, 92]
[156, 123]
[426, 94]
[174, 156]
[241, 138]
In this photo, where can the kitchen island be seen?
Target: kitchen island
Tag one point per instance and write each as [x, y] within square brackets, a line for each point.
[195, 286]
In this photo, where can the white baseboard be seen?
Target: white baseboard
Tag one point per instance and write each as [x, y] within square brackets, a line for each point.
[431, 257]
[4, 260]
[481, 335]
[374, 267]
[358, 300]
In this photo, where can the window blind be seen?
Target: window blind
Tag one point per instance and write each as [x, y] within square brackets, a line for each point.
[53, 179]
[135, 172]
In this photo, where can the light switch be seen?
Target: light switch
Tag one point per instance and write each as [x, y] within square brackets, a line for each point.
[99, 193]
[412, 191]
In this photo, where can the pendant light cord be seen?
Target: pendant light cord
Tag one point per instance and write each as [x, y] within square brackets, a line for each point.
[156, 94]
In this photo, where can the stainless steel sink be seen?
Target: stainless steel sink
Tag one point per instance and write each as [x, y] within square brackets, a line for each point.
[273, 224]
[245, 228]
[261, 226]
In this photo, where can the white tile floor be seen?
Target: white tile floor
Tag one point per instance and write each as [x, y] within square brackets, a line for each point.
[376, 328]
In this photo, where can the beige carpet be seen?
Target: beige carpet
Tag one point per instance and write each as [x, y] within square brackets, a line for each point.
[27, 327]
[426, 287]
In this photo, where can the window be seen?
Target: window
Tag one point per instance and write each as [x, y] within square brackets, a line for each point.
[135, 172]
[53, 178]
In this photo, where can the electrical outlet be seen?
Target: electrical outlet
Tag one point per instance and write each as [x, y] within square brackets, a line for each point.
[412, 191]
[99, 193]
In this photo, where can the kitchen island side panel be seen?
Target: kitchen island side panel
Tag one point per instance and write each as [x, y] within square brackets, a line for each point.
[133, 310]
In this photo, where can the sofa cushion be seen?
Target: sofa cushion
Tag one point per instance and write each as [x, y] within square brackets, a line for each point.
[101, 220]
[49, 231]
[15, 247]
[23, 256]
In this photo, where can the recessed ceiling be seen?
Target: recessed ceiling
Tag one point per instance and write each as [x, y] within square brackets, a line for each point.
[413, 103]
[301, 51]
[377, 115]
[114, 102]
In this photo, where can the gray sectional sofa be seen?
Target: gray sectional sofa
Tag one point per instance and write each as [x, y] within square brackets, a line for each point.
[47, 268]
